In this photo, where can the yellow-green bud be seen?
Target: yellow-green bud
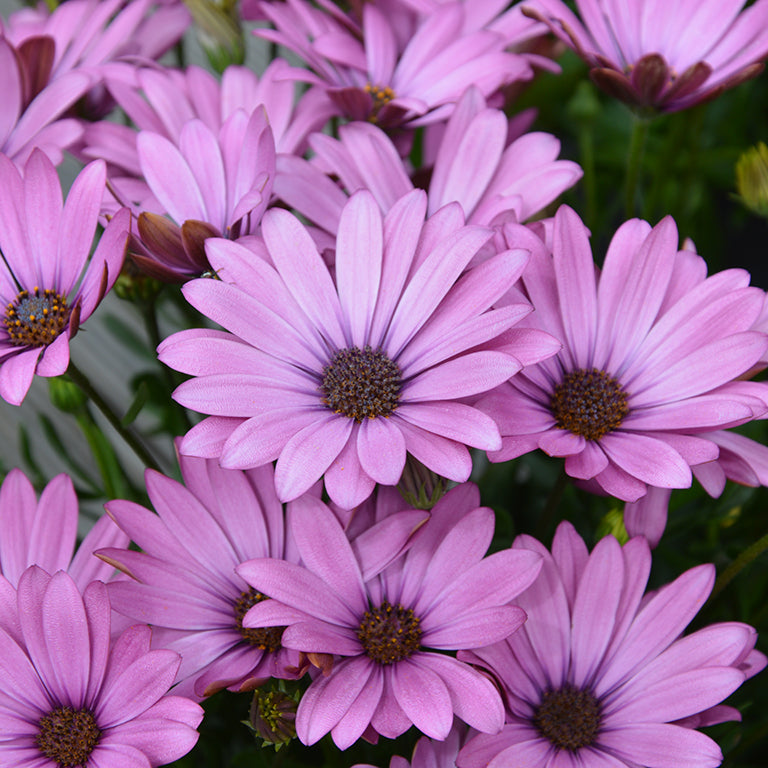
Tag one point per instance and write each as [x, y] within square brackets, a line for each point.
[752, 179]
[219, 31]
[66, 395]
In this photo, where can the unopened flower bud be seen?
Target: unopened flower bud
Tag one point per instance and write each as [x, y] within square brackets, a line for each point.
[273, 715]
[752, 179]
[219, 31]
[419, 486]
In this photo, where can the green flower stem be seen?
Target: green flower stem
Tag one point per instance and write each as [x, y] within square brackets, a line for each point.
[751, 553]
[82, 381]
[634, 160]
[553, 502]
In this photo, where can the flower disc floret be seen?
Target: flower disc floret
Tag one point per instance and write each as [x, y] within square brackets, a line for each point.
[68, 736]
[390, 633]
[361, 383]
[568, 717]
[35, 319]
[265, 638]
[589, 403]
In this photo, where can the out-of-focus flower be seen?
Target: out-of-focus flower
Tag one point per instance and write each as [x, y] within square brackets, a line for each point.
[752, 179]
[89, 35]
[49, 281]
[343, 378]
[383, 614]
[218, 28]
[662, 56]
[378, 79]
[31, 108]
[651, 357]
[184, 582]
[599, 674]
[70, 697]
[43, 532]
[493, 180]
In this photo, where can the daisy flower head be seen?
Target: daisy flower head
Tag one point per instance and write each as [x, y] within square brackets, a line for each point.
[71, 697]
[342, 378]
[492, 178]
[382, 614]
[32, 107]
[183, 581]
[43, 531]
[49, 281]
[211, 184]
[662, 56]
[651, 358]
[380, 79]
[599, 674]
[429, 753]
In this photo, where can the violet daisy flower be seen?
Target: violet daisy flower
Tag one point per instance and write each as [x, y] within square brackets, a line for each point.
[43, 531]
[662, 56]
[382, 617]
[31, 108]
[210, 184]
[184, 581]
[49, 281]
[69, 697]
[376, 78]
[491, 179]
[599, 675]
[649, 365]
[343, 378]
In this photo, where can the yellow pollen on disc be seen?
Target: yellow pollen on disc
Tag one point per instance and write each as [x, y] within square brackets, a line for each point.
[35, 318]
[381, 96]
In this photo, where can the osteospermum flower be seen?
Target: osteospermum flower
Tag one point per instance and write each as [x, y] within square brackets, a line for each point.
[429, 753]
[599, 674]
[43, 531]
[384, 617]
[379, 79]
[49, 281]
[69, 697]
[184, 581]
[663, 56]
[649, 364]
[501, 181]
[211, 185]
[344, 379]
[31, 108]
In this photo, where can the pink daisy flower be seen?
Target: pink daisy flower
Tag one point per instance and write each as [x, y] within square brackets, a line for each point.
[43, 532]
[383, 615]
[344, 378]
[492, 179]
[72, 698]
[378, 79]
[210, 185]
[599, 675]
[49, 281]
[88, 35]
[649, 365]
[31, 108]
[662, 56]
[184, 582]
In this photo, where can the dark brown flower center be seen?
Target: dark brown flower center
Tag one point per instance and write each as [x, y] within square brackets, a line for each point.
[569, 718]
[36, 319]
[589, 403]
[68, 736]
[381, 95]
[361, 383]
[389, 633]
[266, 638]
